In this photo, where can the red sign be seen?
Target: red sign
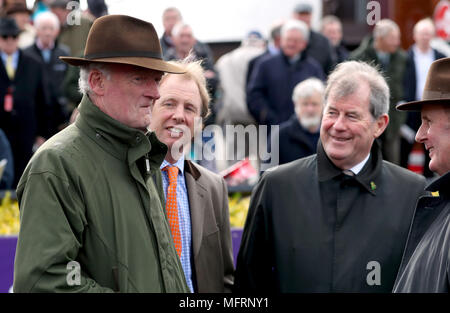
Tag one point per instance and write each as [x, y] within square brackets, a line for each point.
[442, 19]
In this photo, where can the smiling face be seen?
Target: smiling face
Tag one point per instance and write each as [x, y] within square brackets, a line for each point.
[434, 133]
[128, 95]
[348, 128]
[174, 114]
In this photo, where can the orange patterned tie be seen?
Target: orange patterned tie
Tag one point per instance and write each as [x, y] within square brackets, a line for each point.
[171, 207]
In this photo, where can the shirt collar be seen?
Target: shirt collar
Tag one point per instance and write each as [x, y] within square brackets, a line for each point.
[358, 167]
[15, 56]
[179, 164]
[368, 176]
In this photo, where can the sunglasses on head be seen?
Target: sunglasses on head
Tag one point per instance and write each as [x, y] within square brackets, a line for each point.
[9, 36]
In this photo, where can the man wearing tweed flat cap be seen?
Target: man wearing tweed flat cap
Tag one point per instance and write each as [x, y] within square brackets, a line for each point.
[92, 218]
[426, 261]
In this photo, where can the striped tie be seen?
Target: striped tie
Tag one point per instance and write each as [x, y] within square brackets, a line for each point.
[171, 207]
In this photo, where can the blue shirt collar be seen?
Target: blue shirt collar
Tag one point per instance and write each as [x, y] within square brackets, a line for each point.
[15, 57]
[179, 164]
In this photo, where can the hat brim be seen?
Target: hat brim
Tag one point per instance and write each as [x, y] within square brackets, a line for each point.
[150, 63]
[417, 105]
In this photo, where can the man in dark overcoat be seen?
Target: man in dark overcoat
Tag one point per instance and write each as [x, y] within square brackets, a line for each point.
[426, 262]
[22, 101]
[336, 221]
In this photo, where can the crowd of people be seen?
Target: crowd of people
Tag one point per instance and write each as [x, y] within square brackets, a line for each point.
[99, 155]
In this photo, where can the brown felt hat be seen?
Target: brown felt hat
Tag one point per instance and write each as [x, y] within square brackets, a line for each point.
[437, 87]
[125, 40]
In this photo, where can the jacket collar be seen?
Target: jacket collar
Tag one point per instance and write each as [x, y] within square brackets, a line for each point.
[367, 177]
[191, 169]
[442, 184]
[119, 140]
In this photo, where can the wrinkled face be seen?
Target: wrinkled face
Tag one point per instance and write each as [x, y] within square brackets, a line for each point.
[128, 95]
[309, 111]
[176, 113]
[333, 32]
[292, 42]
[435, 133]
[185, 40]
[47, 32]
[170, 18]
[8, 44]
[391, 42]
[348, 128]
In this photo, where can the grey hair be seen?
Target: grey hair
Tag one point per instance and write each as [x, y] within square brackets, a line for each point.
[83, 81]
[307, 88]
[384, 27]
[298, 25]
[46, 16]
[178, 27]
[331, 19]
[346, 79]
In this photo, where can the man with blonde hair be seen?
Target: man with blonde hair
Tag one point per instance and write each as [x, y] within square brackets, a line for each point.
[196, 198]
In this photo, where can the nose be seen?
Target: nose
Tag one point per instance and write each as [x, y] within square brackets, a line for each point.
[178, 114]
[339, 123]
[421, 134]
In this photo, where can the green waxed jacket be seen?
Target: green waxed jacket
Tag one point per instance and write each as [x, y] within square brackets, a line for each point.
[87, 197]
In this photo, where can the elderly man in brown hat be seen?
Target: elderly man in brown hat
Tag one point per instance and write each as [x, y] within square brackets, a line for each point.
[426, 261]
[92, 218]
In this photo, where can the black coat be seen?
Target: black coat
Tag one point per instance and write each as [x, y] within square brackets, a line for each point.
[29, 117]
[295, 142]
[269, 93]
[319, 48]
[426, 263]
[312, 229]
[55, 72]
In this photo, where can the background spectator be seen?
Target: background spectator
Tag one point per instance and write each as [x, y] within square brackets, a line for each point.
[420, 57]
[332, 29]
[273, 47]
[7, 178]
[48, 51]
[384, 50]
[184, 45]
[270, 87]
[22, 15]
[74, 28]
[318, 47]
[298, 136]
[23, 106]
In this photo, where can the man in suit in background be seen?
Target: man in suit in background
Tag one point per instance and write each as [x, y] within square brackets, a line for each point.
[48, 51]
[23, 108]
[196, 198]
[420, 57]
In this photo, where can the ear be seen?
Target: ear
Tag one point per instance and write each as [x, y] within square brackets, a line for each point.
[381, 124]
[97, 82]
